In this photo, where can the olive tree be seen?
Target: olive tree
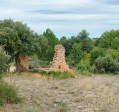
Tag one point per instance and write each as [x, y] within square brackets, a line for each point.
[17, 38]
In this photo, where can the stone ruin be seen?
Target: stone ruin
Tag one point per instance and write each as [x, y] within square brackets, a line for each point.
[58, 64]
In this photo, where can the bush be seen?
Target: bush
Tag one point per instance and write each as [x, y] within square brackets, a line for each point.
[8, 94]
[70, 62]
[3, 60]
[113, 53]
[58, 75]
[84, 65]
[39, 64]
[107, 64]
[95, 53]
[85, 73]
[115, 43]
[92, 68]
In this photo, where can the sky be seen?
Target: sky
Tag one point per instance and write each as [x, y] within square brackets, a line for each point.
[64, 17]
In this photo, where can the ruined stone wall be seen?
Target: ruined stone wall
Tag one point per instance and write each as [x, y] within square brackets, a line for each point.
[59, 63]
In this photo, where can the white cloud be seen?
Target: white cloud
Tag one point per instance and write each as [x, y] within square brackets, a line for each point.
[64, 17]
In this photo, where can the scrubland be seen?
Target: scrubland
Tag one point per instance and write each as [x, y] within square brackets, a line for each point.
[99, 93]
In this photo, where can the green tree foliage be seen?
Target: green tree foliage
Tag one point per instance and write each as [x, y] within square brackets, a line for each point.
[84, 64]
[95, 53]
[67, 43]
[17, 38]
[81, 51]
[113, 53]
[83, 34]
[52, 41]
[115, 43]
[3, 60]
[42, 46]
[108, 38]
[77, 47]
[87, 44]
[76, 53]
[107, 64]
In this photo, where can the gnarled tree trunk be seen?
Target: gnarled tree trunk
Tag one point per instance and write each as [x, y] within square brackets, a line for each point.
[21, 62]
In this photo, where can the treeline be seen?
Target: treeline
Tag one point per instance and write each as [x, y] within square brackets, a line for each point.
[82, 52]
[99, 55]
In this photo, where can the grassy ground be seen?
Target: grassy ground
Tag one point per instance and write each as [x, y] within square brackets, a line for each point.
[98, 93]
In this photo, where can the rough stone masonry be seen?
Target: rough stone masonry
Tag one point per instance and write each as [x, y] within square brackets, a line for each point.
[59, 63]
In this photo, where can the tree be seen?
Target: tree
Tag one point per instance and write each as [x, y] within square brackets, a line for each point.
[107, 38]
[83, 35]
[76, 53]
[43, 43]
[115, 43]
[17, 39]
[95, 53]
[107, 64]
[67, 44]
[113, 53]
[52, 41]
[87, 44]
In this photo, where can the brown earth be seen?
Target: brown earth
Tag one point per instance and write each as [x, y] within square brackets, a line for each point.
[99, 93]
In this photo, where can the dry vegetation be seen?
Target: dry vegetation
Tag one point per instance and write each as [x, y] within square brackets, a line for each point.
[99, 93]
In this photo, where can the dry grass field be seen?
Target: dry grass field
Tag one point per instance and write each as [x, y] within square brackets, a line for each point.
[99, 93]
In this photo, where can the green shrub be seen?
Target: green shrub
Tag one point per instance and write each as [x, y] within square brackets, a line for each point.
[84, 64]
[39, 64]
[115, 43]
[3, 60]
[113, 53]
[8, 94]
[35, 71]
[58, 75]
[82, 67]
[70, 62]
[107, 64]
[44, 72]
[102, 70]
[92, 68]
[95, 53]
[116, 72]
[85, 73]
